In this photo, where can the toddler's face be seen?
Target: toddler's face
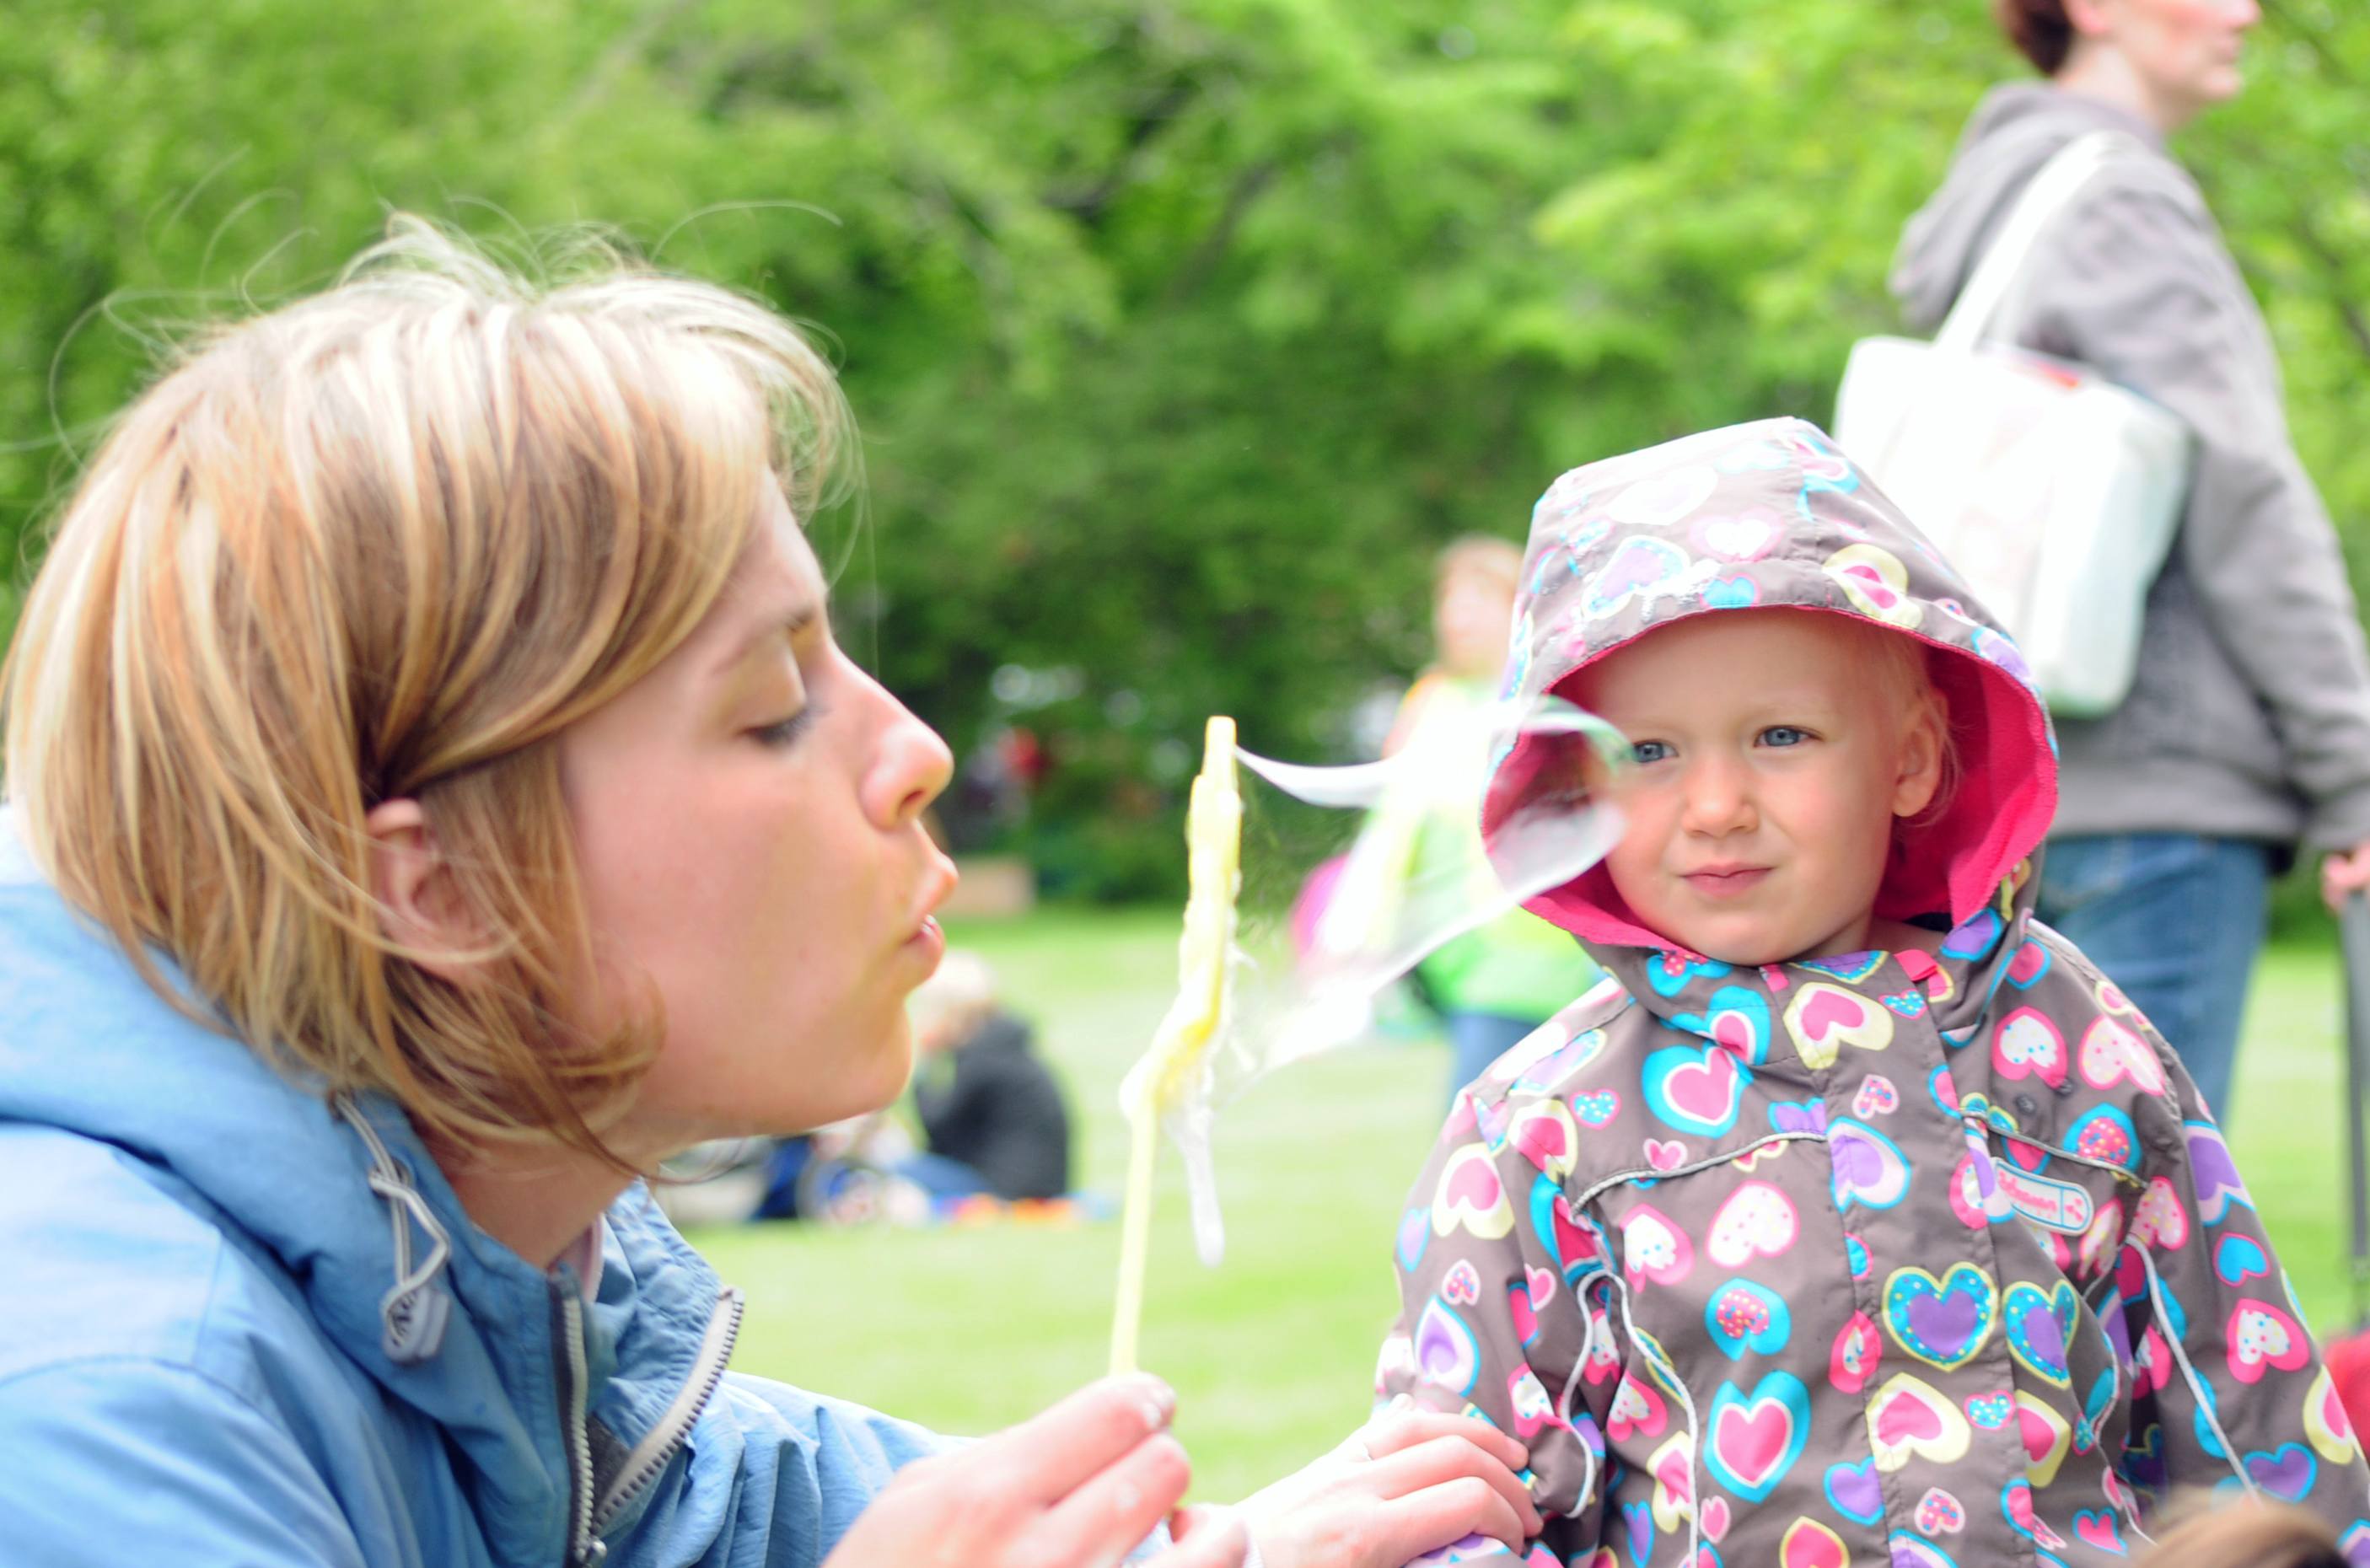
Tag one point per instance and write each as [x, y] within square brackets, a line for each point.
[1771, 763]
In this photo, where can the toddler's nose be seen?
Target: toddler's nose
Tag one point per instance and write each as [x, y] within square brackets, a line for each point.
[1719, 799]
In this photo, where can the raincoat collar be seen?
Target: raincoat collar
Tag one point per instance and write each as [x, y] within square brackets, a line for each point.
[1772, 515]
[90, 1048]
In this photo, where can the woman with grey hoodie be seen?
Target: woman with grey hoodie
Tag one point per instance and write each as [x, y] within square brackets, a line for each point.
[2246, 732]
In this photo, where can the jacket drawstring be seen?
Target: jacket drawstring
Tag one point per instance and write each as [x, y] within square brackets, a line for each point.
[2198, 1390]
[1571, 1388]
[414, 1310]
[1654, 1353]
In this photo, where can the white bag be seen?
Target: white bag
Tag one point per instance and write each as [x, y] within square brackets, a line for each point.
[2054, 492]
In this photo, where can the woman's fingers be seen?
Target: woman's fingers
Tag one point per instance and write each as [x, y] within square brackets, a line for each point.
[1216, 1543]
[1440, 1515]
[1407, 1427]
[1051, 1454]
[1449, 1460]
[1109, 1515]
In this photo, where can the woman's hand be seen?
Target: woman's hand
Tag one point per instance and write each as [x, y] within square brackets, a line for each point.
[2344, 873]
[1079, 1486]
[1408, 1482]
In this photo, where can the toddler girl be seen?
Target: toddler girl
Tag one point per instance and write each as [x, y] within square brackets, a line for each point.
[1856, 1217]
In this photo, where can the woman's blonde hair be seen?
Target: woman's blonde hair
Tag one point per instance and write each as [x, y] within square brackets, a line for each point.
[385, 543]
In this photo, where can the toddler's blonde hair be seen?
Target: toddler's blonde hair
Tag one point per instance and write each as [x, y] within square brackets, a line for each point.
[388, 542]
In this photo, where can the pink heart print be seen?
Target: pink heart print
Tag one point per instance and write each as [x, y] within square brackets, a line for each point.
[2017, 1500]
[2098, 1529]
[1756, 1220]
[1880, 592]
[1939, 1513]
[2160, 1220]
[1653, 1248]
[2112, 1053]
[1664, 499]
[1527, 1397]
[1637, 1411]
[2261, 1335]
[1822, 1019]
[1853, 1360]
[2028, 1042]
[1745, 536]
[1877, 1098]
[1470, 1193]
[1545, 1137]
[1807, 1543]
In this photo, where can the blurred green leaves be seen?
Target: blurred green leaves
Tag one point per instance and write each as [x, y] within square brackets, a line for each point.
[1182, 331]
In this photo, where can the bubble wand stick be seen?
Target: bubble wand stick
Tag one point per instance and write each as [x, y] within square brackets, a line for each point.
[1214, 840]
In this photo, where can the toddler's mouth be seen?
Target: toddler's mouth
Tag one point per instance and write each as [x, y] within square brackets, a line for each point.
[1725, 881]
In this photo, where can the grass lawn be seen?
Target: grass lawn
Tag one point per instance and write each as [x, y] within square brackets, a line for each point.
[1271, 1353]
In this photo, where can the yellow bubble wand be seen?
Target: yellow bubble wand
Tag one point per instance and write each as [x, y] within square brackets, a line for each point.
[1214, 840]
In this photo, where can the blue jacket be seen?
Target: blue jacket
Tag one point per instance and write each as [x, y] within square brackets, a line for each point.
[241, 1325]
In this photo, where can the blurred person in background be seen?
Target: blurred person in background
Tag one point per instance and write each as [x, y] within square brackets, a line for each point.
[2247, 729]
[435, 798]
[1496, 983]
[992, 1116]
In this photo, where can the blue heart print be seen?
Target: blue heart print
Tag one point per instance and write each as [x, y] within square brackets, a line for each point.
[1745, 1316]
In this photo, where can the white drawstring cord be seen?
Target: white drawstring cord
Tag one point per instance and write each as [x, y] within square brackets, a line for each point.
[2189, 1375]
[413, 1311]
[1686, 1402]
[1571, 1385]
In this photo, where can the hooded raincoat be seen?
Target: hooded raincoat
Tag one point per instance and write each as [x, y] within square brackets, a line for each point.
[240, 1325]
[1921, 1258]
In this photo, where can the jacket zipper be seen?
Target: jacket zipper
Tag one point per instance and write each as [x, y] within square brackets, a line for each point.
[657, 1449]
[585, 1548]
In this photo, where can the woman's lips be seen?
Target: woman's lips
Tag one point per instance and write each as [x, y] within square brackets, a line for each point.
[1726, 882]
[929, 942]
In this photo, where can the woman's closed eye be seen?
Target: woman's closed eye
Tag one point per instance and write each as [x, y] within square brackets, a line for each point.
[785, 732]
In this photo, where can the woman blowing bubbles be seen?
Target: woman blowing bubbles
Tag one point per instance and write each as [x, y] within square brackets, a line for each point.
[436, 797]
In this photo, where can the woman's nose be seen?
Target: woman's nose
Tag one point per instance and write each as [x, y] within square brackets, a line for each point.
[911, 766]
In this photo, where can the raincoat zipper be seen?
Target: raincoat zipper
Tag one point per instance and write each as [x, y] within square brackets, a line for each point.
[650, 1456]
[585, 1548]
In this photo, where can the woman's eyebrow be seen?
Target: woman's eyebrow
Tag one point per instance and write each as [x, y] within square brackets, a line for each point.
[784, 626]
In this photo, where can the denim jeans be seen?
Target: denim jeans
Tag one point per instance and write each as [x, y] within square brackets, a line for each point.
[2175, 920]
[1477, 1039]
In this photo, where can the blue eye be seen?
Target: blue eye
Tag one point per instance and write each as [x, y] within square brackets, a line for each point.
[1645, 751]
[1784, 735]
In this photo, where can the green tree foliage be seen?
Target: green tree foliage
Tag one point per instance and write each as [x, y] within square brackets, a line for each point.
[1182, 331]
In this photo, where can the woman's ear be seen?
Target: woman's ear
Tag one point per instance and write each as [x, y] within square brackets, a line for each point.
[419, 900]
[1917, 777]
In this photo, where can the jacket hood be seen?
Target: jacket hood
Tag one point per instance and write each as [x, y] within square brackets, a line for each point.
[2012, 133]
[90, 1048]
[1761, 516]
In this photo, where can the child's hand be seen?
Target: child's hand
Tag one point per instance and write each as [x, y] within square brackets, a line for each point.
[1078, 1486]
[1408, 1482]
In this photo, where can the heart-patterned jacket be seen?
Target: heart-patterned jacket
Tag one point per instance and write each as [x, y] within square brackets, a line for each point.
[1926, 1258]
